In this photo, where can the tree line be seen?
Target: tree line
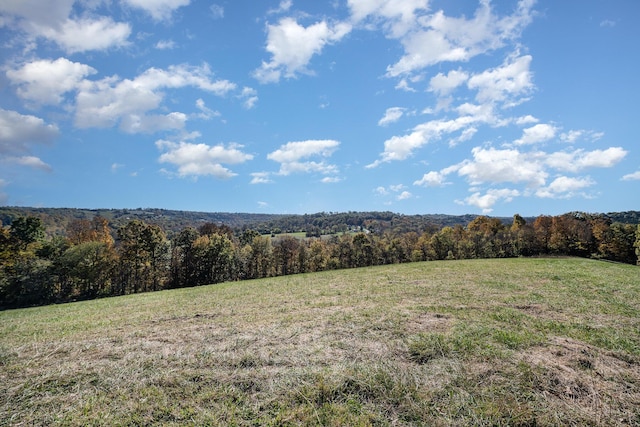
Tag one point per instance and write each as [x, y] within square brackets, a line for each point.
[91, 261]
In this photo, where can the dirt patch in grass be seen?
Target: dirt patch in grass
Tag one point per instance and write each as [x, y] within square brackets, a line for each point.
[429, 322]
[534, 309]
[596, 383]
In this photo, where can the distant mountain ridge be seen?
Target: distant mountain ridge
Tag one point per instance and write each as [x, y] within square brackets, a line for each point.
[56, 220]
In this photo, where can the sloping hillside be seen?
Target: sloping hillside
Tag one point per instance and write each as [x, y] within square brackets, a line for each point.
[478, 342]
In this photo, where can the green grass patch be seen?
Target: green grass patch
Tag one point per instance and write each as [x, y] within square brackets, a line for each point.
[475, 342]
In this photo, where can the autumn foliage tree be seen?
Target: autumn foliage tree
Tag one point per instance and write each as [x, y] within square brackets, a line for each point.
[85, 270]
[23, 272]
[86, 262]
[143, 253]
[213, 259]
[94, 230]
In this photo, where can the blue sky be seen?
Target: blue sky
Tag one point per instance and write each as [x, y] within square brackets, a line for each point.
[413, 106]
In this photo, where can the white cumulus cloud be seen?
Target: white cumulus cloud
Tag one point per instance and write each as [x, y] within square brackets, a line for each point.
[490, 198]
[54, 23]
[392, 115]
[396, 16]
[292, 46]
[404, 195]
[432, 179]
[293, 156]
[506, 83]
[538, 133]
[129, 103]
[564, 187]
[18, 131]
[499, 166]
[578, 160]
[529, 169]
[526, 120]
[87, 34]
[46, 81]
[29, 161]
[249, 97]
[436, 38]
[444, 84]
[202, 159]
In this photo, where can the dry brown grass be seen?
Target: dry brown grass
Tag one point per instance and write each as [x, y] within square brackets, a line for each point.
[496, 342]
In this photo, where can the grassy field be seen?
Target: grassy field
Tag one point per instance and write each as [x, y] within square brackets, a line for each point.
[480, 342]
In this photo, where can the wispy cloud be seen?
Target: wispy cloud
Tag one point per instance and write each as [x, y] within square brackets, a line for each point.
[217, 11]
[166, 45]
[635, 176]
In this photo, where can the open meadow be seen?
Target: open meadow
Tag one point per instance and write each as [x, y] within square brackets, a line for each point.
[476, 342]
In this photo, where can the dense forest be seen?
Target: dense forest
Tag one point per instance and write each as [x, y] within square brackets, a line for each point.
[80, 254]
[56, 220]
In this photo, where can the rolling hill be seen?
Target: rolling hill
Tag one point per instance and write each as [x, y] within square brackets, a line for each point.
[56, 220]
[471, 342]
